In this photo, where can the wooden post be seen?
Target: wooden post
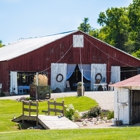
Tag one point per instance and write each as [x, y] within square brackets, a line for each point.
[82, 81]
[22, 111]
[48, 107]
[29, 108]
[55, 107]
[37, 112]
[36, 85]
[63, 108]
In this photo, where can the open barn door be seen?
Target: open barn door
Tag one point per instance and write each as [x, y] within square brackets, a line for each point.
[135, 106]
[13, 82]
[121, 102]
[58, 76]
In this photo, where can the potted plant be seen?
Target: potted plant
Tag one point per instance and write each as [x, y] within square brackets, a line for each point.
[80, 89]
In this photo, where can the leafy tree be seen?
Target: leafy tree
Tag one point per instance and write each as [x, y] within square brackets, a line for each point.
[134, 17]
[115, 23]
[134, 14]
[136, 54]
[85, 26]
[1, 45]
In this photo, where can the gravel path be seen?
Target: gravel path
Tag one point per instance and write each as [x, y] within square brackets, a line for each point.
[104, 98]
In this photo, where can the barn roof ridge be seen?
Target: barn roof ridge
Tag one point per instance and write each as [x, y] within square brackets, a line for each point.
[7, 53]
[10, 54]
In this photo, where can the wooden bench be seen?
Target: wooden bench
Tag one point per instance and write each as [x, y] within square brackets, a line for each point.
[27, 108]
[53, 107]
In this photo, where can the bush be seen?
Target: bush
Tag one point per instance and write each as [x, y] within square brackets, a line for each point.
[71, 113]
[107, 114]
[93, 112]
[110, 115]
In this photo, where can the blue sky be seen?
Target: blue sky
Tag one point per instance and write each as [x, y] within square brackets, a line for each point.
[35, 18]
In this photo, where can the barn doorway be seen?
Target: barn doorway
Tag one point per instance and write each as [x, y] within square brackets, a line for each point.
[127, 72]
[76, 77]
[24, 80]
[135, 106]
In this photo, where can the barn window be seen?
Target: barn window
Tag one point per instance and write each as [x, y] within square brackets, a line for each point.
[78, 41]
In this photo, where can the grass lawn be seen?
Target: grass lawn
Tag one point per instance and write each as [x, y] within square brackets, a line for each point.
[81, 103]
[77, 134]
[11, 108]
[9, 130]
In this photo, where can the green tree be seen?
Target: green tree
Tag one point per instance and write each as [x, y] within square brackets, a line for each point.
[1, 45]
[85, 26]
[115, 23]
[136, 54]
[134, 17]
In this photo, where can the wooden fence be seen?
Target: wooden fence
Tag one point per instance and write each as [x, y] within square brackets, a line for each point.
[30, 107]
[53, 107]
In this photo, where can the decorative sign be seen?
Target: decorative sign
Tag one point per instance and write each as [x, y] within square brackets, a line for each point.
[78, 41]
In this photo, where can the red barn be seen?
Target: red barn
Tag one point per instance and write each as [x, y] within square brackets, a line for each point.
[61, 57]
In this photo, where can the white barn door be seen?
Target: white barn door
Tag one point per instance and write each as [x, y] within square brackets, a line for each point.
[121, 105]
[13, 82]
[97, 68]
[115, 74]
[58, 75]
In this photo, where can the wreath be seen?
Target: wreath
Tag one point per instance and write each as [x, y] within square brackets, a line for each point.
[100, 79]
[59, 78]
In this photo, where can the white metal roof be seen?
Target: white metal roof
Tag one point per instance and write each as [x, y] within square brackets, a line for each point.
[27, 45]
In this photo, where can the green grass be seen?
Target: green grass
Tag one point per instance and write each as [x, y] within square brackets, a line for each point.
[10, 131]
[11, 108]
[81, 103]
[123, 133]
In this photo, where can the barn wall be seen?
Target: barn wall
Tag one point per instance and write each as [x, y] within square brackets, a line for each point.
[94, 51]
[4, 76]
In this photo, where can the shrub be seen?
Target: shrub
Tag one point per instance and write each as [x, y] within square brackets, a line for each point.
[71, 113]
[110, 115]
[107, 114]
[93, 112]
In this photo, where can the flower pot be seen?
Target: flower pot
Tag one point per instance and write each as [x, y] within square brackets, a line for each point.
[80, 89]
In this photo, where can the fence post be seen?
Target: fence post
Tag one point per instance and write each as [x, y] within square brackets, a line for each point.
[48, 107]
[55, 107]
[37, 112]
[63, 108]
[22, 111]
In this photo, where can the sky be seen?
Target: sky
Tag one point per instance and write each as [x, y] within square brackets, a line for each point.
[36, 18]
